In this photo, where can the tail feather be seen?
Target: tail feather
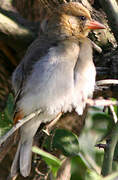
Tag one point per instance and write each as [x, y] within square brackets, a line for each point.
[25, 158]
[22, 160]
[15, 164]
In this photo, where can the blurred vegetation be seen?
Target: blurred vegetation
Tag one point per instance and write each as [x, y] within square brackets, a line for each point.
[6, 116]
[86, 159]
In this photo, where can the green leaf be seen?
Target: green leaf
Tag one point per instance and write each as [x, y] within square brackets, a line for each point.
[92, 175]
[101, 116]
[66, 142]
[9, 107]
[79, 166]
[52, 160]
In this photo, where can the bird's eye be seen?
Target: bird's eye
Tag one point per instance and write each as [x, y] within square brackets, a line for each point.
[83, 18]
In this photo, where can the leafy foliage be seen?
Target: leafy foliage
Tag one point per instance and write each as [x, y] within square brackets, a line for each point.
[66, 142]
[6, 116]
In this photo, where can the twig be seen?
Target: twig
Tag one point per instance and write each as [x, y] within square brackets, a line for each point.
[109, 152]
[7, 145]
[106, 81]
[96, 47]
[92, 163]
[102, 69]
[18, 125]
[51, 124]
[113, 113]
[64, 172]
[101, 102]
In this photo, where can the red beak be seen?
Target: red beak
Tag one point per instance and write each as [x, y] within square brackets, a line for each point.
[95, 25]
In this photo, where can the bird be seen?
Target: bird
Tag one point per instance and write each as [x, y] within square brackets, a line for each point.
[57, 74]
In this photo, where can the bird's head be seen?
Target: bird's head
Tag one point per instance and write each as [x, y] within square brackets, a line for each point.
[70, 20]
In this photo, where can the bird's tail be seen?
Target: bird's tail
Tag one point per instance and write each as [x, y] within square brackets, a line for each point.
[22, 160]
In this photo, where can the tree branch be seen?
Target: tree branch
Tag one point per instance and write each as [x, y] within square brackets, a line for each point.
[101, 102]
[111, 9]
[106, 82]
[16, 31]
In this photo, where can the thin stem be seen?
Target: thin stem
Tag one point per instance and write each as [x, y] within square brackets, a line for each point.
[109, 152]
[18, 125]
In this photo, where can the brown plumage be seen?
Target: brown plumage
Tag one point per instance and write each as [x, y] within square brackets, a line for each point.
[56, 74]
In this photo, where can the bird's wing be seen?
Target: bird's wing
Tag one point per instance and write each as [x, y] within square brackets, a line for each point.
[33, 54]
[49, 85]
[39, 77]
